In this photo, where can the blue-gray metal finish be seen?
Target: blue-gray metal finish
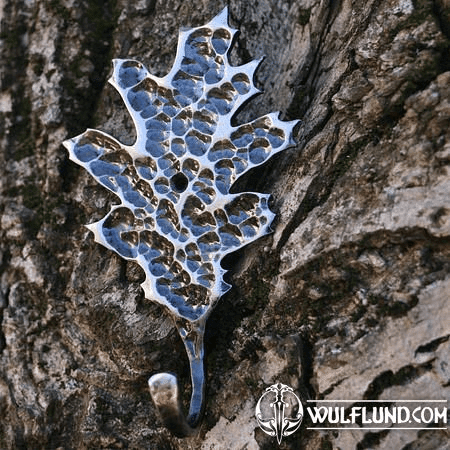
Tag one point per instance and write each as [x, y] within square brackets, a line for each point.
[175, 216]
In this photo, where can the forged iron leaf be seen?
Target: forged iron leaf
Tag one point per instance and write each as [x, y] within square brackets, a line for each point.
[176, 217]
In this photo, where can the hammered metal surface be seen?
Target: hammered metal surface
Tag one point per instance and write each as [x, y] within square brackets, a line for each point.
[176, 217]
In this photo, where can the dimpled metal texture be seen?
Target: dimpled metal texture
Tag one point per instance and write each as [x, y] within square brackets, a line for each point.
[176, 217]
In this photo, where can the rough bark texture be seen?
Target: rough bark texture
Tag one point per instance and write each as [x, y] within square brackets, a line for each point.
[348, 298]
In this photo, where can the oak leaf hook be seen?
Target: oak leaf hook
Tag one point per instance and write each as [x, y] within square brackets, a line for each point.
[176, 217]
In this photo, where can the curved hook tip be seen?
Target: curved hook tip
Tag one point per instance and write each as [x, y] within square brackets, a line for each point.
[165, 391]
[165, 395]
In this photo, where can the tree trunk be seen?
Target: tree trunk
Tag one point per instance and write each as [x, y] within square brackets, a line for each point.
[346, 299]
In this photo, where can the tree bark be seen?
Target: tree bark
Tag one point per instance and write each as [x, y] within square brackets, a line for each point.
[348, 298]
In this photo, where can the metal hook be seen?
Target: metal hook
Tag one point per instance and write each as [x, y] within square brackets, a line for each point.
[178, 220]
[164, 386]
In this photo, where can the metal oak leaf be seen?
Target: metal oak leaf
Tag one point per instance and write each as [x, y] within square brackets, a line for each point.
[176, 217]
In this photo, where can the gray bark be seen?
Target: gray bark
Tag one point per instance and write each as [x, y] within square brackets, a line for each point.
[348, 298]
